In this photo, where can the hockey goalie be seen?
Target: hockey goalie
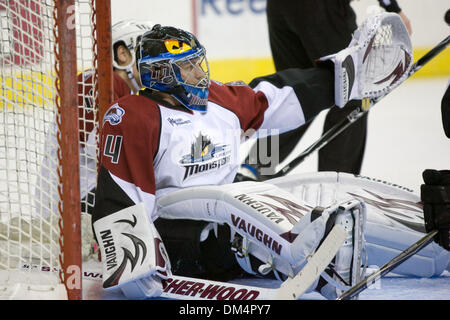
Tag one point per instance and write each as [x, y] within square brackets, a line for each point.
[165, 199]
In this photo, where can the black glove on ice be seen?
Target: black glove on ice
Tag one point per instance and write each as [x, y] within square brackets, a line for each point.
[435, 194]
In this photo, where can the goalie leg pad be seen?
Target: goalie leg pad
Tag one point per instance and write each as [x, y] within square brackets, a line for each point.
[133, 254]
[347, 268]
[385, 241]
[279, 230]
[274, 226]
[394, 217]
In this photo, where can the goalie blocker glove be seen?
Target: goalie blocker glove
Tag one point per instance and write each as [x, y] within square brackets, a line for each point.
[133, 255]
[435, 194]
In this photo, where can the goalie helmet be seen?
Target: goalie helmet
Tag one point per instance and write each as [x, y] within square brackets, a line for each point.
[171, 60]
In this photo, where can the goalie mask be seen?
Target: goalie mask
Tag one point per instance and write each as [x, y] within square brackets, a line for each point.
[171, 60]
[127, 33]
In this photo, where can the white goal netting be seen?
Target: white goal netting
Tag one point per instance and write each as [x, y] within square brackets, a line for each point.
[30, 167]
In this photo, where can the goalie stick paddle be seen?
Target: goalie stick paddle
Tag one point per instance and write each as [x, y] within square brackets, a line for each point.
[388, 267]
[186, 288]
[294, 288]
[177, 287]
[357, 113]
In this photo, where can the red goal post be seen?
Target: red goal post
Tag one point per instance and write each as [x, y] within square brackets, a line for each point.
[54, 88]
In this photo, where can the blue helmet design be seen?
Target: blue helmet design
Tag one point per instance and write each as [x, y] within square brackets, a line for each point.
[171, 60]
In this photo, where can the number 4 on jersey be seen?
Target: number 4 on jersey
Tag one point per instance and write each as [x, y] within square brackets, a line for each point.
[113, 145]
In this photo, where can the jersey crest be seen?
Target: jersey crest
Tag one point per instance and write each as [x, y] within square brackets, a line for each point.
[176, 122]
[204, 156]
[114, 115]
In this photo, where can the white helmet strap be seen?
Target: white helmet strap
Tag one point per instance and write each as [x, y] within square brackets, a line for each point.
[130, 75]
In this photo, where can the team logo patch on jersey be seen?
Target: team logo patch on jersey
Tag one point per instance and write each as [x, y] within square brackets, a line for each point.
[205, 156]
[178, 121]
[114, 115]
[87, 75]
[236, 83]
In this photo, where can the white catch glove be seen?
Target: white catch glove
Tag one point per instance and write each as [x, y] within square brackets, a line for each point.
[376, 61]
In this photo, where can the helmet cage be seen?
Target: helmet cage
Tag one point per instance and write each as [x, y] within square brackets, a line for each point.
[185, 76]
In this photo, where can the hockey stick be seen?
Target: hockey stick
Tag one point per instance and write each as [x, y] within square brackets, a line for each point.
[356, 113]
[177, 287]
[388, 267]
[186, 288]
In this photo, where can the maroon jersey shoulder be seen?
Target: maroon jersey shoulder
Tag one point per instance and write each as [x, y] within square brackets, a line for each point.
[248, 105]
[86, 88]
[130, 140]
[137, 116]
[121, 88]
[86, 100]
[85, 104]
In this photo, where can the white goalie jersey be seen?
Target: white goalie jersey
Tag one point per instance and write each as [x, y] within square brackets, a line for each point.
[148, 149]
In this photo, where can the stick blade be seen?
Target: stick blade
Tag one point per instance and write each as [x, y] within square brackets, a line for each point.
[293, 288]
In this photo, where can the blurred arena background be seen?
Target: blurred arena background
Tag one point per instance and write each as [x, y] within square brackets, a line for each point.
[235, 35]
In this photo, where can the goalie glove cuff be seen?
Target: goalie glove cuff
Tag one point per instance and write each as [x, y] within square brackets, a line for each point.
[345, 70]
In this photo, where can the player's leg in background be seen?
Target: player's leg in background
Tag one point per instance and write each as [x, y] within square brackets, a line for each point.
[344, 153]
[288, 52]
[335, 21]
[294, 43]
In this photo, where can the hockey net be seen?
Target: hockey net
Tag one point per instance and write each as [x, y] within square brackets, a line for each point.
[49, 92]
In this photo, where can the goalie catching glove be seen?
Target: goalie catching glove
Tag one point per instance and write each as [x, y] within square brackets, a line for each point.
[133, 255]
[376, 61]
